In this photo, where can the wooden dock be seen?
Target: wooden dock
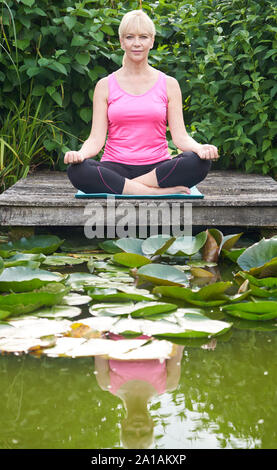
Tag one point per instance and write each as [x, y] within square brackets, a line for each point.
[46, 198]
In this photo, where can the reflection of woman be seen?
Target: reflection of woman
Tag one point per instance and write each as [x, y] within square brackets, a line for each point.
[135, 383]
[134, 105]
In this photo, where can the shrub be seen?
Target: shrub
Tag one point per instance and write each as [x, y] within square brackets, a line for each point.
[221, 51]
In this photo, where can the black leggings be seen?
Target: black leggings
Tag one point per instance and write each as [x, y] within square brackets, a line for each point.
[91, 176]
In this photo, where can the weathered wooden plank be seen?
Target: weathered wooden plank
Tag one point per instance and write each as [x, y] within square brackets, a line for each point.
[231, 198]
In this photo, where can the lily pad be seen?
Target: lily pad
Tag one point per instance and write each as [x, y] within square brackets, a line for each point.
[59, 311]
[22, 278]
[124, 294]
[187, 246]
[24, 259]
[132, 260]
[263, 255]
[162, 274]
[61, 260]
[191, 326]
[1, 265]
[78, 280]
[130, 245]
[109, 246]
[157, 244]
[210, 295]
[258, 310]
[45, 244]
[140, 309]
[216, 242]
[26, 302]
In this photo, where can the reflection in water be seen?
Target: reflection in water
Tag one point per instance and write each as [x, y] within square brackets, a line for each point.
[136, 383]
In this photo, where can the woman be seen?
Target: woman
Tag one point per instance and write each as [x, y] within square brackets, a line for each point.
[134, 105]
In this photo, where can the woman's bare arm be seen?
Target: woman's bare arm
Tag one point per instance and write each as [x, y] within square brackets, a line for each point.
[96, 140]
[177, 127]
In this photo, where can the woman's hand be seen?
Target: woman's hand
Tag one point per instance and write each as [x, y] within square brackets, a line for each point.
[73, 157]
[208, 152]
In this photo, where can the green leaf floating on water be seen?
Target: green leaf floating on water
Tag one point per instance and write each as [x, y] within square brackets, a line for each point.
[124, 294]
[1, 265]
[24, 259]
[190, 326]
[162, 274]
[187, 246]
[132, 260]
[61, 260]
[45, 244]
[130, 245]
[22, 278]
[157, 244]
[210, 295]
[140, 309]
[258, 310]
[260, 259]
[26, 302]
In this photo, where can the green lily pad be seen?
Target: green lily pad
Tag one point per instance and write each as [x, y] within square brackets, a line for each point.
[132, 260]
[262, 254]
[26, 302]
[130, 245]
[191, 326]
[123, 293]
[24, 259]
[140, 309]
[233, 254]
[210, 295]
[61, 260]
[1, 265]
[78, 280]
[59, 311]
[157, 244]
[109, 246]
[45, 244]
[258, 310]
[187, 246]
[22, 278]
[162, 274]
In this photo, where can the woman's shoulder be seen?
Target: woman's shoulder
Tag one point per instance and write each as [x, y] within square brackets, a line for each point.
[102, 87]
[172, 86]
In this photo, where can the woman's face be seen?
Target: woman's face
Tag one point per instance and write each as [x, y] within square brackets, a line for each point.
[137, 45]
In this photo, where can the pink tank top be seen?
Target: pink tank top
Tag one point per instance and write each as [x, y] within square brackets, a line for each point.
[137, 124]
[152, 371]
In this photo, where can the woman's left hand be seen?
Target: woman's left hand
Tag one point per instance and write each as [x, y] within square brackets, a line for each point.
[208, 152]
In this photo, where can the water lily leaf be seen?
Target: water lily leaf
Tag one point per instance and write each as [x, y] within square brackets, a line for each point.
[26, 302]
[140, 309]
[211, 295]
[191, 326]
[34, 327]
[259, 254]
[61, 260]
[258, 310]
[187, 246]
[73, 298]
[125, 294]
[45, 244]
[22, 278]
[268, 282]
[200, 272]
[157, 244]
[162, 274]
[132, 260]
[78, 280]
[216, 242]
[24, 259]
[24, 345]
[233, 254]
[130, 245]
[59, 311]
[4, 314]
[109, 246]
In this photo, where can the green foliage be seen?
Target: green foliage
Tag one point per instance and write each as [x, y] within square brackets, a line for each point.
[222, 53]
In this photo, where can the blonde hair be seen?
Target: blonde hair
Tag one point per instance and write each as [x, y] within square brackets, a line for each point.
[136, 21]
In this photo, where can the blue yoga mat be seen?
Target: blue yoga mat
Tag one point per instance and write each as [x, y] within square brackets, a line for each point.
[194, 193]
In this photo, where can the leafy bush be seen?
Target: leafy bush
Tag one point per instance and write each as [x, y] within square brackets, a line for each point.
[221, 51]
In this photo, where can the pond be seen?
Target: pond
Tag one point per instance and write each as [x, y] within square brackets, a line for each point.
[211, 392]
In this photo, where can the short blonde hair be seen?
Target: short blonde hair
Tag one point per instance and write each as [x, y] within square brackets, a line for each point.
[138, 22]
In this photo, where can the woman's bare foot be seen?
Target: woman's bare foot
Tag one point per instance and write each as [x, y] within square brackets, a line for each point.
[134, 187]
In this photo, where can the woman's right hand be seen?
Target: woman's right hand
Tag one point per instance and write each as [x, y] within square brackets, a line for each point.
[73, 157]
